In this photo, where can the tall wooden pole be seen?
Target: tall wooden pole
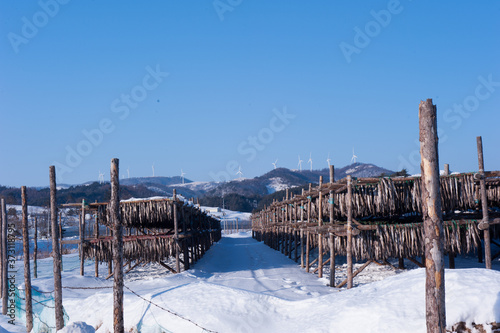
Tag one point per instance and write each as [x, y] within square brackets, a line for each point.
[332, 180]
[5, 267]
[96, 231]
[309, 204]
[176, 235]
[185, 249]
[302, 208]
[349, 232]
[330, 238]
[2, 264]
[27, 272]
[320, 223]
[82, 239]
[451, 254]
[302, 247]
[114, 207]
[432, 215]
[485, 223]
[332, 260]
[35, 249]
[61, 239]
[56, 254]
[308, 247]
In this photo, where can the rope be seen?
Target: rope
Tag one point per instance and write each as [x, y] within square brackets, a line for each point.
[47, 306]
[41, 292]
[169, 311]
[50, 292]
[133, 292]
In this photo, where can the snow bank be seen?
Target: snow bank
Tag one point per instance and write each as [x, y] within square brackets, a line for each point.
[77, 327]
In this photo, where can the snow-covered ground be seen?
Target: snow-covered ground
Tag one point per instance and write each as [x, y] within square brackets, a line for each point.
[242, 285]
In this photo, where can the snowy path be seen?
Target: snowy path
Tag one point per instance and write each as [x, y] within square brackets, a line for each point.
[243, 263]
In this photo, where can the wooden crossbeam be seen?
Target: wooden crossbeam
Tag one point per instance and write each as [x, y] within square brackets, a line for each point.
[359, 270]
[134, 266]
[324, 263]
[167, 267]
[416, 262]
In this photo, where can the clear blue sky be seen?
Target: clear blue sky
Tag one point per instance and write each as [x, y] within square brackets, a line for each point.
[207, 86]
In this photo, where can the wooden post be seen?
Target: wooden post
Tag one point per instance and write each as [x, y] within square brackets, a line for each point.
[176, 235]
[82, 239]
[96, 231]
[309, 204]
[432, 215]
[56, 254]
[27, 272]
[332, 260]
[110, 266]
[302, 208]
[301, 248]
[332, 180]
[401, 263]
[1, 255]
[5, 267]
[35, 249]
[451, 254]
[185, 248]
[296, 243]
[287, 207]
[114, 213]
[332, 221]
[485, 223]
[349, 232]
[308, 246]
[60, 239]
[290, 237]
[320, 223]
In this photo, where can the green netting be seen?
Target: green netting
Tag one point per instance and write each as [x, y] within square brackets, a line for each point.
[44, 319]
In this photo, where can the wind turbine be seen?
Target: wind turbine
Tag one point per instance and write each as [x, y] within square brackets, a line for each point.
[354, 157]
[101, 177]
[328, 160]
[274, 164]
[300, 164]
[239, 172]
[153, 166]
[182, 175]
[128, 173]
[310, 161]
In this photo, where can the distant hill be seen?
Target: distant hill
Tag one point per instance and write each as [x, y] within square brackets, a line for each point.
[282, 178]
[253, 191]
[154, 180]
[241, 194]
